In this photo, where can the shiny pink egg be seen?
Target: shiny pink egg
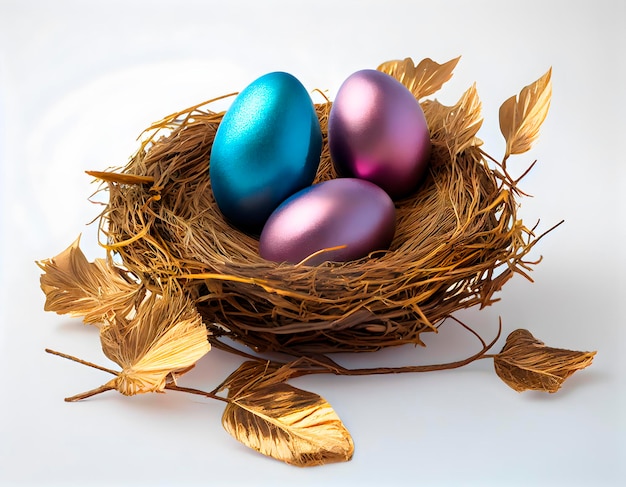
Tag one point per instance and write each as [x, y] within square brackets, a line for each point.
[337, 220]
[377, 131]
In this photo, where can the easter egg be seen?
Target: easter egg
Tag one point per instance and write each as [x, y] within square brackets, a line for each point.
[350, 213]
[267, 147]
[377, 131]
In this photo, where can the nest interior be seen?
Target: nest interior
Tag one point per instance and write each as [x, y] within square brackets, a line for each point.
[458, 240]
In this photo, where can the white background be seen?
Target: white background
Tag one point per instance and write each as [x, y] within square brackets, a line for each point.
[78, 83]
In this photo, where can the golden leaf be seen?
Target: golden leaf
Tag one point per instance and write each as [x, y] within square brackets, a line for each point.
[521, 117]
[288, 424]
[93, 290]
[163, 340]
[456, 126]
[166, 337]
[281, 421]
[421, 80]
[527, 363]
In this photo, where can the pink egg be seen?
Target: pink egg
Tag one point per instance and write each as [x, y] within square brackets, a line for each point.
[353, 214]
[377, 131]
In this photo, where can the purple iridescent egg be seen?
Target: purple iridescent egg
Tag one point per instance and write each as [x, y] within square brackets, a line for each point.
[353, 214]
[377, 131]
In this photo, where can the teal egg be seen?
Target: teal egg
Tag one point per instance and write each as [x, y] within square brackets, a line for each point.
[266, 148]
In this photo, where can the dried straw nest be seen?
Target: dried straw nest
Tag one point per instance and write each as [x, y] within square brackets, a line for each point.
[458, 240]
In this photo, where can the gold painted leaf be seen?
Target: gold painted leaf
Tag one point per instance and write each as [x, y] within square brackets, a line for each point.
[288, 424]
[422, 80]
[281, 421]
[526, 363]
[455, 127]
[93, 290]
[164, 339]
[521, 116]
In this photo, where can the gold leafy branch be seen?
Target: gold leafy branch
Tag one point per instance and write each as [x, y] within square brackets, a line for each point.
[154, 336]
[156, 340]
[163, 340]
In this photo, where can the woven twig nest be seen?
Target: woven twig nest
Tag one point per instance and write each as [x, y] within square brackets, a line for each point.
[185, 269]
[458, 239]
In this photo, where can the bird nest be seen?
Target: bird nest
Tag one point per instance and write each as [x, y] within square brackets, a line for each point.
[458, 238]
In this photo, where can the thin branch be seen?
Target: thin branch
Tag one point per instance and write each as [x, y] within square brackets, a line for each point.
[81, 361]
[322, 364]
[198, 392]
[340, 370]
[93, 392]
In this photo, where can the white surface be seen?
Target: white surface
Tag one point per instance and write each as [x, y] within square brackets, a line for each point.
[80, 80]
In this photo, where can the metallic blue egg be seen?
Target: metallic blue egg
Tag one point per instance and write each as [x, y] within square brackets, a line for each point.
[266, 148]
[350, 213]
